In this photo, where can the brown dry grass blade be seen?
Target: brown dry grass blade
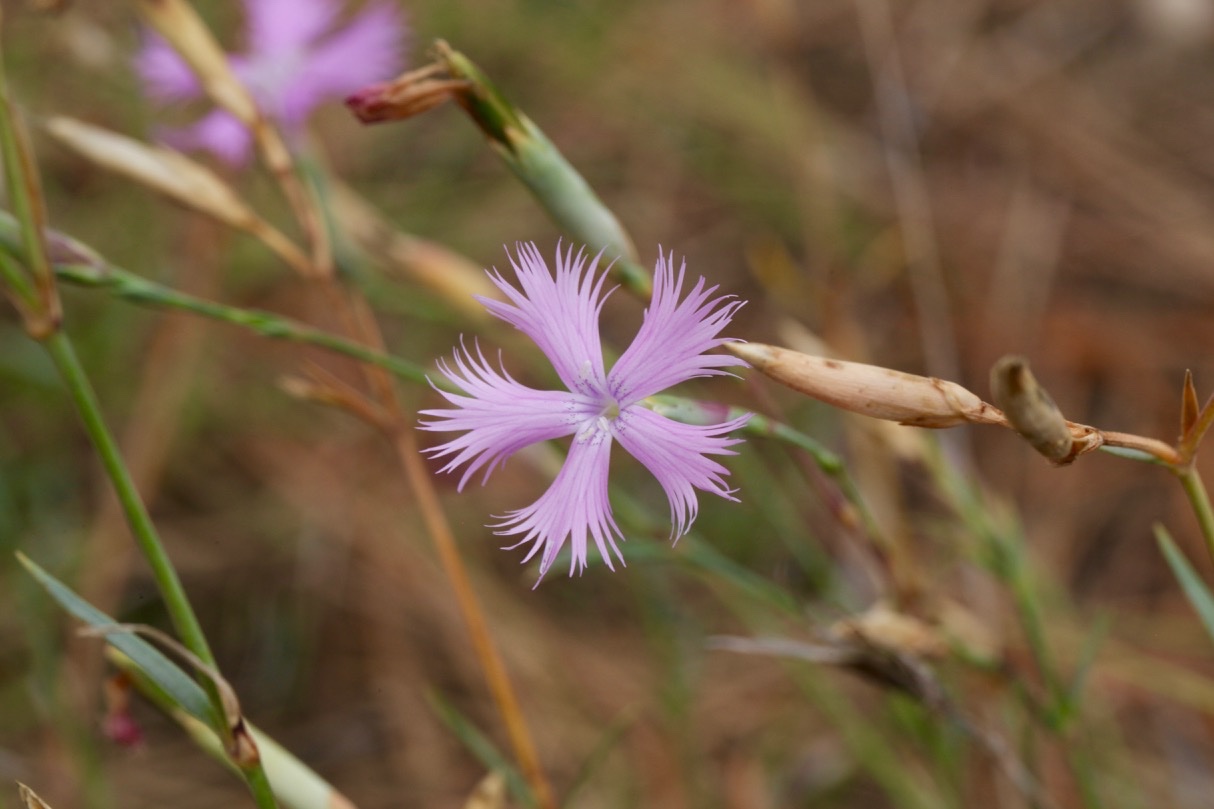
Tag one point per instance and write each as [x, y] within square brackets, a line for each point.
[30, 798]
[1188, 405]
[1200, 425]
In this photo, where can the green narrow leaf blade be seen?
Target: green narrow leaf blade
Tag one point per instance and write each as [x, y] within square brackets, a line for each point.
[166, 674]
[1194, 588]
[482, 747]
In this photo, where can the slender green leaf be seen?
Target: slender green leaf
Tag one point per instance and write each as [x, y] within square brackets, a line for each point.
[482, 747]
[166, 675]
[1069, 701]
[706, 560]
[1194, 588]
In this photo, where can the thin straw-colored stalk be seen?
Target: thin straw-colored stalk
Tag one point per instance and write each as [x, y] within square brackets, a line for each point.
[361, 322]
[474, 617]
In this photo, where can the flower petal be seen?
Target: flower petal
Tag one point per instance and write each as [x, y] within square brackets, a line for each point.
[165, 74]
[276, 26]
[561, 315]
[368, 49]
[676, 454]
[218, 132]
[574, 505]
[669, 347]
[500, 416]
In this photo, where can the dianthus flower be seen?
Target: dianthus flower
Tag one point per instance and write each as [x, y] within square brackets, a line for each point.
[498, 416]
[296, 59]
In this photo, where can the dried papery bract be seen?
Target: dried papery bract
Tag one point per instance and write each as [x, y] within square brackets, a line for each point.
[176, 176]
[157, 167]
[870, 390]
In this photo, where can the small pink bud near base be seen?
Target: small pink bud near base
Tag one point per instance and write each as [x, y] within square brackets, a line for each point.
[405, 96]
[869, 390]
[118, 725]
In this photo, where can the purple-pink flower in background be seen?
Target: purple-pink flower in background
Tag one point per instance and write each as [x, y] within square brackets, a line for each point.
[297, 59]
[498, 416]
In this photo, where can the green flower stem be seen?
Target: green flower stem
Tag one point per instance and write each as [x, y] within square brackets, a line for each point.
[14, 276]
[851, 510]
[1195, 490]
[138, 290]
[552, 180]
[259, 786]
[81, 391]
[1004, 552]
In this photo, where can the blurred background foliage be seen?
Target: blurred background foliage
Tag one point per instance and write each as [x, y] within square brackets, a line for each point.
[925, 185]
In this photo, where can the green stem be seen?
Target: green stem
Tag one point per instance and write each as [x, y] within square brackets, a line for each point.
[1025, 599]
[133, 288]
[14, 275]
[1190, 480]
[176, 603]
[178, 606]
[259, 786]
[550, 177]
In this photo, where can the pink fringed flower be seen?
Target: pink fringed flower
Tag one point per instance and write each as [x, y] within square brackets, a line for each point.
[498, 416]
[296, 60]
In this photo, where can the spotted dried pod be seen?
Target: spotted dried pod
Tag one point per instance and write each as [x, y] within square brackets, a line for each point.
[1031, 411]
[870, 390]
